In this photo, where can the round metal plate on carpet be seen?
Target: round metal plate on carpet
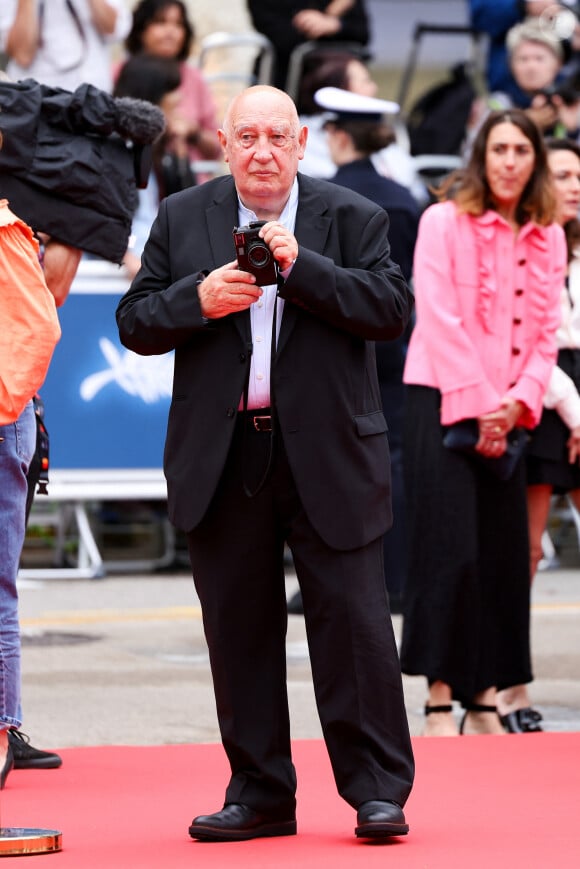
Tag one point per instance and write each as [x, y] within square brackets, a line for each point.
[21, 841]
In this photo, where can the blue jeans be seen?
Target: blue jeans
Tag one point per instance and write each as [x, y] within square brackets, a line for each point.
[17, 445]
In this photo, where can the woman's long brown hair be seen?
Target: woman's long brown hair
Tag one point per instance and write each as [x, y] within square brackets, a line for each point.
[469, 187]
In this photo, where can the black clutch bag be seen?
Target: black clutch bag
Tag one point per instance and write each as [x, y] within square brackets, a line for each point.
[462, 437]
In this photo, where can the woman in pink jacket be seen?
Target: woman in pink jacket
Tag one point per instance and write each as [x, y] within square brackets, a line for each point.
[488, 270]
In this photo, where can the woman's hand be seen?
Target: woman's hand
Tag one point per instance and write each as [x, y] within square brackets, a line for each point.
[495, 426]
[491, 446]
[493, 429]
[513, 410]
[573, 445]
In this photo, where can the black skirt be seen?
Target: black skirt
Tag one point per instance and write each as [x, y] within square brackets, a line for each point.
[467, 594]
[547, 453]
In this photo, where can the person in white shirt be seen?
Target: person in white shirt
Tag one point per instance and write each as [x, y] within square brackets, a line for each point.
[62, 43]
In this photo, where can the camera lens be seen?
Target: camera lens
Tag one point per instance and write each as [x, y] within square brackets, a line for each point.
[259, 255]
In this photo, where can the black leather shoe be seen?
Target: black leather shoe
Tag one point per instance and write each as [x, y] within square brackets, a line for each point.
[28, 757]
[525, 720]
[377, 819]
[8, 766]
[237, 822]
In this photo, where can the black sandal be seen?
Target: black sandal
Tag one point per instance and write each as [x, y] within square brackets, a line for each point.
[429, 710]
[474, 707]
[526, 720]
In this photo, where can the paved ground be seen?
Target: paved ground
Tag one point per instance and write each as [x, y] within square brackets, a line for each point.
[122, 660]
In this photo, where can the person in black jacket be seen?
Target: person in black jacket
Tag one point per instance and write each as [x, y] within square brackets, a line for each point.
[288, 24]
[276, 434]
[356, 129]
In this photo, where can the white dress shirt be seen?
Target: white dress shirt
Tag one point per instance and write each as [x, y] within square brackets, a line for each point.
[262, 313]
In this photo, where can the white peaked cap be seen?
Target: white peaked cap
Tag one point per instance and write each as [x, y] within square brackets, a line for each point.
[346, 105]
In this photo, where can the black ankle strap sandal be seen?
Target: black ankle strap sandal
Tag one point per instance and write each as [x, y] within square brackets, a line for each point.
[475, 707]
[429, 710]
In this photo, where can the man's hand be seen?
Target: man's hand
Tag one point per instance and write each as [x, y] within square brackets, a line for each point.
[227, 290]
[542, 112]
[281, 242]
[569, 116]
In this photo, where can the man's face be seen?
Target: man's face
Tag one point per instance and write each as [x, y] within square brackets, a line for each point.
[263, 144]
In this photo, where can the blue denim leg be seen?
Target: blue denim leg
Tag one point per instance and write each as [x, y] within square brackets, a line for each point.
[17, 445]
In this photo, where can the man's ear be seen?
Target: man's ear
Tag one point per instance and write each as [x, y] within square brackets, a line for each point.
[223, 140]
[302, 139]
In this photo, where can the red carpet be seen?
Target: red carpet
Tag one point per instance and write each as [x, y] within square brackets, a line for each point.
[508, 802]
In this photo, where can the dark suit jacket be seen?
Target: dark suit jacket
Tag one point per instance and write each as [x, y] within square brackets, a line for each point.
[404, 213]
[343, 293]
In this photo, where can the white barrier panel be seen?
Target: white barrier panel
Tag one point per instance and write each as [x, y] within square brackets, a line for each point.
[105, 410]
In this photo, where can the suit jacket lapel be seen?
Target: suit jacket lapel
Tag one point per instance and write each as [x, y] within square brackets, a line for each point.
[222, 217]
[311, 230]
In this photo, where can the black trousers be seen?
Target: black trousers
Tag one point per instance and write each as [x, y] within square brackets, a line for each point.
[237, 561]
[467, 597]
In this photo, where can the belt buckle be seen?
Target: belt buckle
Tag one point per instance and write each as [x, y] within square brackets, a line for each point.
[262, 423]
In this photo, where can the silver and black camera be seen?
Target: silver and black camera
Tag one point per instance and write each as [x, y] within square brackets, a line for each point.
[254, 255]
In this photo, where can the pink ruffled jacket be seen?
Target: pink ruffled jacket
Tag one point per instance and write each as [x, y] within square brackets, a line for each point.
[488, 309]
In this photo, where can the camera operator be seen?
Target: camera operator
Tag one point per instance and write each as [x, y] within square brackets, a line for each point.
[276, 434]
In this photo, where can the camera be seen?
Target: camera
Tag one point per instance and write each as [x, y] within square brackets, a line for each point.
[254, 255]
[568, 91]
